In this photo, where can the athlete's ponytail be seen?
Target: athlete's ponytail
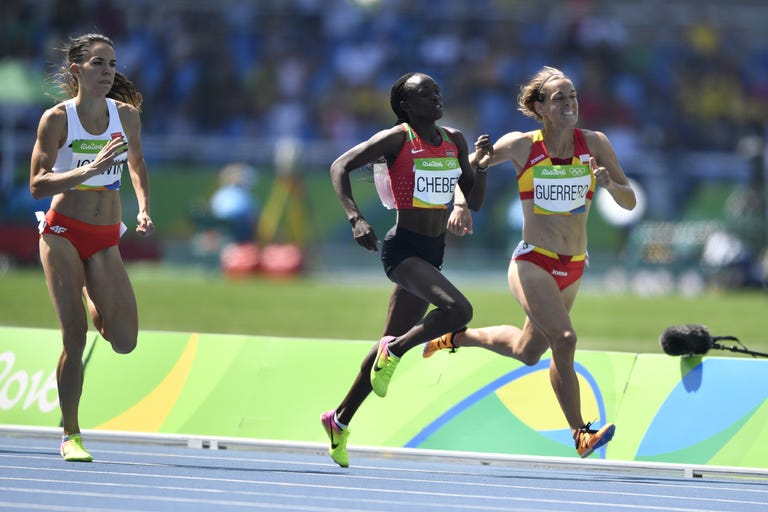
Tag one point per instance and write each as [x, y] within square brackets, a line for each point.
[75, 53]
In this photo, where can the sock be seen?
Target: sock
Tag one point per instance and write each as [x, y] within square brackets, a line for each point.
[338, 423]
[389, 349]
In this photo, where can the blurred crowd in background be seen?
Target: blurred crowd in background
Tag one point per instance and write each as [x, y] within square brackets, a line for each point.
[680, 88]
[687, 75]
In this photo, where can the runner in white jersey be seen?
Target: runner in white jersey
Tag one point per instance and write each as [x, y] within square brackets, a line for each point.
[82, 147]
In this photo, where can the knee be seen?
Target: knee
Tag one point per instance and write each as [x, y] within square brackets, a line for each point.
[530, 356]
[74, 346]
[460, 312]
[532, 348]
[74, 340]
[124, 346]
[564, 345]
[123, 338]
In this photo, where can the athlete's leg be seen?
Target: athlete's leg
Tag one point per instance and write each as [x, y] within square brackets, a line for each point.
[112, 301]
[405, 310]
[547, 309]
[452, 309]
[526, 344]
[64, 276]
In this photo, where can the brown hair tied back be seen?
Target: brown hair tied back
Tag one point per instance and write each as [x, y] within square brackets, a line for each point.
[75, 53]
[531, 91]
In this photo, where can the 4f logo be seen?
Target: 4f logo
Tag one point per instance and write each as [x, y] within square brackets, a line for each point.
[58, 229]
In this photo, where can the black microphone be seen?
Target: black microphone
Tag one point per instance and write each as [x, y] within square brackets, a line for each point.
[694, 339]
[686, 340]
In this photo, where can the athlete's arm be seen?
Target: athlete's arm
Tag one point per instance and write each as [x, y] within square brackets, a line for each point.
[385, 143]
[469, 181]
[137, 167]
[51, 135]
[607, 170]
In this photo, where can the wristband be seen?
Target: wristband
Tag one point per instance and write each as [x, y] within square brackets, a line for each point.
[481, 169]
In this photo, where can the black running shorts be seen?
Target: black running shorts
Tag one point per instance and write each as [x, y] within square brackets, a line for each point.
[400, 244]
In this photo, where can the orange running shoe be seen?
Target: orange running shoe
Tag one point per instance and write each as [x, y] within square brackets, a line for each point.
[588, 440]
[444, 342]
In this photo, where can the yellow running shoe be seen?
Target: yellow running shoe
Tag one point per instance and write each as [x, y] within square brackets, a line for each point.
[588, 440]
[444, 342]
[338, 437]
[383, 367]
[72, 449]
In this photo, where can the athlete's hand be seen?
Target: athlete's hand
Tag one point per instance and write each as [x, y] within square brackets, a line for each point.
[364, 235]
[460, 221]
[602, 177]
[483, 151]
[144, 225]
[109, 155]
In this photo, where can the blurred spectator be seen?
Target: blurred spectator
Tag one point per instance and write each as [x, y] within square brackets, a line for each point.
[656, 76]
[274, 69]
[233, 202]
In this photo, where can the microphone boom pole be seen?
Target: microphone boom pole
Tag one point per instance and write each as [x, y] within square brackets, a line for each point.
[734, 348]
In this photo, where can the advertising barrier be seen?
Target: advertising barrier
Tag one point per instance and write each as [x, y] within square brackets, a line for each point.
[703, 410]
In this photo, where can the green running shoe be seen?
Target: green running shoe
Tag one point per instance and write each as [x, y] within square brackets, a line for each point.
[338, 437]
[383, 367]
[72, 449]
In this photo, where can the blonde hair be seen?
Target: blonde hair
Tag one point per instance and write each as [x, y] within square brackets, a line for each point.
[531, 91]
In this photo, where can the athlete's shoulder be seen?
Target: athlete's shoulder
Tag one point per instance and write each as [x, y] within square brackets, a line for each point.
[516, 137]
[456, 135]
[515, 141]
[58, 110]
[452, 131]
[595, 139]
[592, 134]
[126, 109]
[54, 117]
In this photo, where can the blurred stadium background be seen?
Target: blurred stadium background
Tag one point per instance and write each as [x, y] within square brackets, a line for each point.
[258, 97]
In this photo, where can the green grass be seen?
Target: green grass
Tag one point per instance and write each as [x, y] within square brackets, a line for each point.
[195, 301]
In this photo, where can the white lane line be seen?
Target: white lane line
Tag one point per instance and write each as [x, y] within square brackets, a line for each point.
[377, 487]
[286, 495]
[274, 506]
[61, 508]
[609, 477]
[454, 477]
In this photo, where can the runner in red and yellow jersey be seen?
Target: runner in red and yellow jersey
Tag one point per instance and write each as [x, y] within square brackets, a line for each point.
[557, 168]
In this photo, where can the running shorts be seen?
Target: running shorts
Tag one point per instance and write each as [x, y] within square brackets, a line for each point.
[88, 239]
[564, 269]
[400, 244]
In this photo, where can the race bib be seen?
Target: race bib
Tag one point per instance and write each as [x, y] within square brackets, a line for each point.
[83, 153]
[435, 181]
[561, 189]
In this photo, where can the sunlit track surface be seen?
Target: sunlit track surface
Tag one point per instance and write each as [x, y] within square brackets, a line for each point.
[140, 474]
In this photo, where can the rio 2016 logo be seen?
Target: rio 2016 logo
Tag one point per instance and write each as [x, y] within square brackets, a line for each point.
[25, 389]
